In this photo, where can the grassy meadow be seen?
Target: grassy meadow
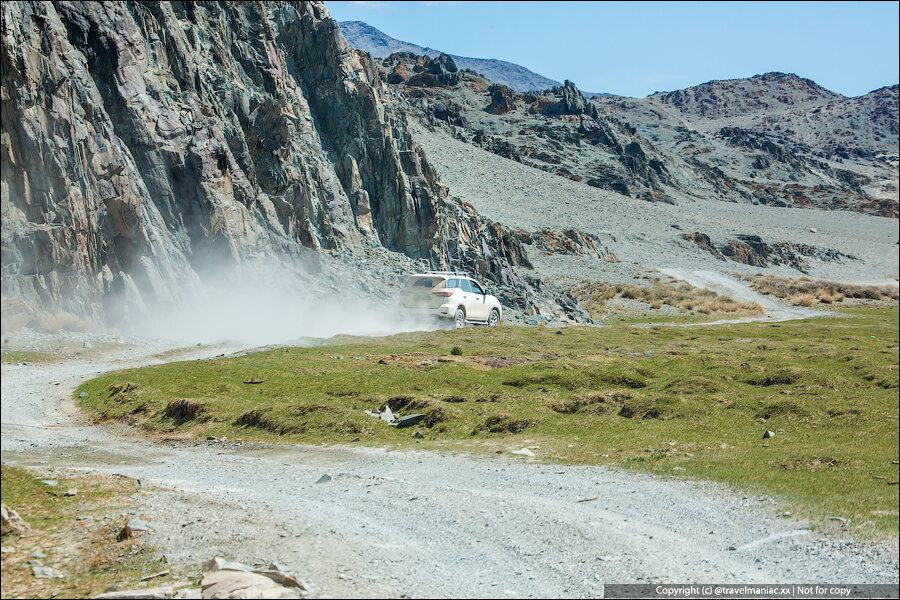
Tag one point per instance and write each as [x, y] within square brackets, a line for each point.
[680, 401]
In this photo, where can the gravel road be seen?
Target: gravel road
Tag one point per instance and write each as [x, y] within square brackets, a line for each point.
[395, 522]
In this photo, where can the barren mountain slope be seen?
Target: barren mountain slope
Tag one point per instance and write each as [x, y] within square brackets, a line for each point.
[639, 236]
[794, 108]
[644, 148]
[380, 45]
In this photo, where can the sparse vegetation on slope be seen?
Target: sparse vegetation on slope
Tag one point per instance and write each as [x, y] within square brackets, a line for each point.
[698, 399]
[683, 296]
[803, 291]
[78, 541]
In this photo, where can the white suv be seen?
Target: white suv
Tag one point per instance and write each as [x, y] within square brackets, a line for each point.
[451, 295]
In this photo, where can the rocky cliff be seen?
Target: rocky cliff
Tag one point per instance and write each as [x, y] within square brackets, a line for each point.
[145, 144]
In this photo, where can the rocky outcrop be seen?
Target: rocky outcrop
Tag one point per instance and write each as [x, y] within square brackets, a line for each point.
[568, 241]
[566, 99]
[421, 71]
[702, 240]
[752, 250]
[146, 144]
[502, 100]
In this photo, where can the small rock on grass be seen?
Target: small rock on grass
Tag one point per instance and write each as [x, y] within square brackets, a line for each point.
[12, 522]
[71, 492]
[136, 524]
[42, 572]
[523, 452]
[768, 434]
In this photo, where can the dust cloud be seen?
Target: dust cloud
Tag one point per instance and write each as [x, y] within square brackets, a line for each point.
[263, 305]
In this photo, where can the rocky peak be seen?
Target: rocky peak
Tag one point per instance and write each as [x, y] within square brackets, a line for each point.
[736, 97]
[572, 102]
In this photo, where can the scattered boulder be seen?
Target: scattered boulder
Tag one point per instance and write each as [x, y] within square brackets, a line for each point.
[768, 434]
[12, 522]
[224, 579]
[41, 572]
[241, 584]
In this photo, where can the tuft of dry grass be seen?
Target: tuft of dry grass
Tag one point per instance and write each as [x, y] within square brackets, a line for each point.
[802, 299]
[593, 296]
[804, 291]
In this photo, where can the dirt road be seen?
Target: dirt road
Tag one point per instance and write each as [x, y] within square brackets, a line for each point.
[405, 522]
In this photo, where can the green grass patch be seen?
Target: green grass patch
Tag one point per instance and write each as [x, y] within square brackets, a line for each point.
[654, 398]
[84, 551]
[57, 351]
[21, 356]
[643, 318]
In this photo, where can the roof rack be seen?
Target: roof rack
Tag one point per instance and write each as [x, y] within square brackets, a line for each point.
[454, 273]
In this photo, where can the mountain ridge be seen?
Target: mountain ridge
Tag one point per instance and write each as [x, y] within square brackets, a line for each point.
[363, 36]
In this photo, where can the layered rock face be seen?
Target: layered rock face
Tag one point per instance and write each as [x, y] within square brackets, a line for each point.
[145, 144]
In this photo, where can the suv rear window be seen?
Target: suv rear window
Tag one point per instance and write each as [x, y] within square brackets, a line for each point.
[422, 282]
[465, 285]
[451, 284]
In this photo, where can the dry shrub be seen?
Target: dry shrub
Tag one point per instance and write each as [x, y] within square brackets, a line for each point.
[803, 300]
[567, 407]
[799, 290]
[121, 388]
[436, 415]
[185, 410]
[593, 297]
[502, 423]
[398, 403]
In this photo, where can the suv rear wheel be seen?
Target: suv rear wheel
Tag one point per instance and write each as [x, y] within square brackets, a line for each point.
[460, 318]
[493, 318]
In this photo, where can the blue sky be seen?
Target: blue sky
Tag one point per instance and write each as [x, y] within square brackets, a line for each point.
[637, 48]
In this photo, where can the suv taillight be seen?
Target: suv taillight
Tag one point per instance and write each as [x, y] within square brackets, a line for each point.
[443, 293]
